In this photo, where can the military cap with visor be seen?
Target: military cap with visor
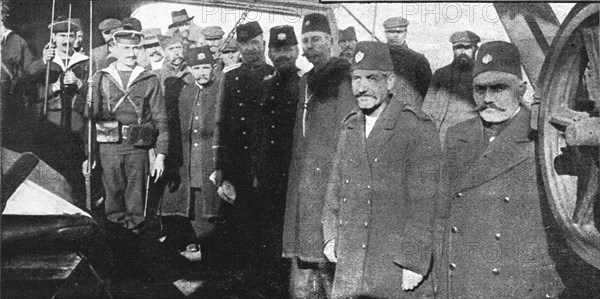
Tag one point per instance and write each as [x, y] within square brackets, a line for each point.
[110, 24]
[498, 56]
[315, 22]
[248, 31]
[150, 36]
[348, 34]
[132, 24]
[129, 37]
[199, 55]
[372, 55]
[212, 33]
[179, 17]
[464, 38]
[281, 36]
[231, 46]
[395, 23]
[63, 24]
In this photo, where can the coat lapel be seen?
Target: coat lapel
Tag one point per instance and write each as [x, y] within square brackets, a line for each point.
[509, 149]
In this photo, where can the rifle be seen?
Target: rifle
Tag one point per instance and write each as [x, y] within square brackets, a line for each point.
[88, 170]
[45, 111]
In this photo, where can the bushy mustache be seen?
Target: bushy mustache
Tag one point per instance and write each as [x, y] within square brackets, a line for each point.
[488, 106]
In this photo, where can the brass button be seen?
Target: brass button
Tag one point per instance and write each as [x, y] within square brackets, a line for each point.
[496, 271]
[243, 118]
[196, 118]
[347, 181]
[272, 111]
[452, 266]
[195, 131]
[454, 229]
[237, 78]
[368, 186]
[272, 141]
[375, 160]
[366, 224]
[364, 246]
[459, 195]
[272, 127]
[344, 199]
[507, 199]
[368, 201]
[239, 91]
[246, 147]
[341, 222]
[244, 133]
[195, 144]
[272, 97]
[497, 236]
[241, 104]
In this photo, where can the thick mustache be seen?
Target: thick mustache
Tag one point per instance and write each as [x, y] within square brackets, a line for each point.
[489, 105]
[362, 95]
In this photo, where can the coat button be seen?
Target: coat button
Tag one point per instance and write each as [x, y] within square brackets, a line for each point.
[369, 201]
[272, 127]
[243, 118]
[272, 141]
[507, 199]
[459, 195]
[272, 97]
[368, 186]
[239, 91]
[196, 118]
[237, 78]
[195, 144]
[496, 271]
[277, 83]
[344, 199]
[241, 104]
[341, 222]
[452, 266]
[272, 111]
[366, 224]
[347, 181]
[244, 133]
[375, 160]
[454, 229]
[195, 131]
[364, 246]
[246, 147]
[497, 236]
[198, 104]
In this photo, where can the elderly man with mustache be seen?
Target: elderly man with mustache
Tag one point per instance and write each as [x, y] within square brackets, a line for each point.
[347, 42]
[380, 201]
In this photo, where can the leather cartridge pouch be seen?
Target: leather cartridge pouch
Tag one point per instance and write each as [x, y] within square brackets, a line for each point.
[140, 135]
[108, 131]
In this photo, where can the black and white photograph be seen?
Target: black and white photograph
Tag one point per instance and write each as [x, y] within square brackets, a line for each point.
[289, 149]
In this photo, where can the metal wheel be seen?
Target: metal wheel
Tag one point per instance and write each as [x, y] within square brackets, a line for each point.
[570, 130]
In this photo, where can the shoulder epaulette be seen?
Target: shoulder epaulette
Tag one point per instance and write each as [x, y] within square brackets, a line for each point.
[231, 67]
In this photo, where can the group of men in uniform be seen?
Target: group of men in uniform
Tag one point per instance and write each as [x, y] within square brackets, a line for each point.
[340, 170]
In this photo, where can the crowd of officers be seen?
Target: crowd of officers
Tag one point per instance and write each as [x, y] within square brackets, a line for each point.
[366, 181]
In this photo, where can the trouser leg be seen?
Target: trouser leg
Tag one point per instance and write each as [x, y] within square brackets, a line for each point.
[136, 170]
[114, 184]
[310, 280]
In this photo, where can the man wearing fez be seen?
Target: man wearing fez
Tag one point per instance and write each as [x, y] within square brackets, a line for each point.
[325, 98]
[498, 229]
[182, 27]
[188, 190]
[68, 78]
[100, 54]
[347, 42]
[238, 108]
[411, 68]
[380, 202]
[126, 93]
[279, 102]
[152, 47]
[449, 98]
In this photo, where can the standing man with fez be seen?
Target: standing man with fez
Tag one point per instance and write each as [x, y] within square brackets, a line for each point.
[347, 42]
[498, 233]
[325, 98]
[380, 202]
[412, 69]
[236, 149]
[128, 98]
[188, 190]
[449, 99]
[280, 100]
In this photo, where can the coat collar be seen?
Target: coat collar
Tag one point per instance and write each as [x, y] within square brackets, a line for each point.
[74, 59]
[510, 148]
[112, 71]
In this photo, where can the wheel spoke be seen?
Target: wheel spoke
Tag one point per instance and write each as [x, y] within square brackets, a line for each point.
[591, 41]
[564, 117]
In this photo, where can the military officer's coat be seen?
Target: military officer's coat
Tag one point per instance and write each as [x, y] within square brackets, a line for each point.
[496, 238]
[449, 99]
[238, 113]
[325, 99]
[380, 202]
[189, 160]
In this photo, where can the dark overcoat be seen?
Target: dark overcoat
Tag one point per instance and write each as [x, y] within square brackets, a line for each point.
[189, 162]
[412, 68]
[238, 112]
[495, 239]
[380, 202]
[325, 98]
[449, 99]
